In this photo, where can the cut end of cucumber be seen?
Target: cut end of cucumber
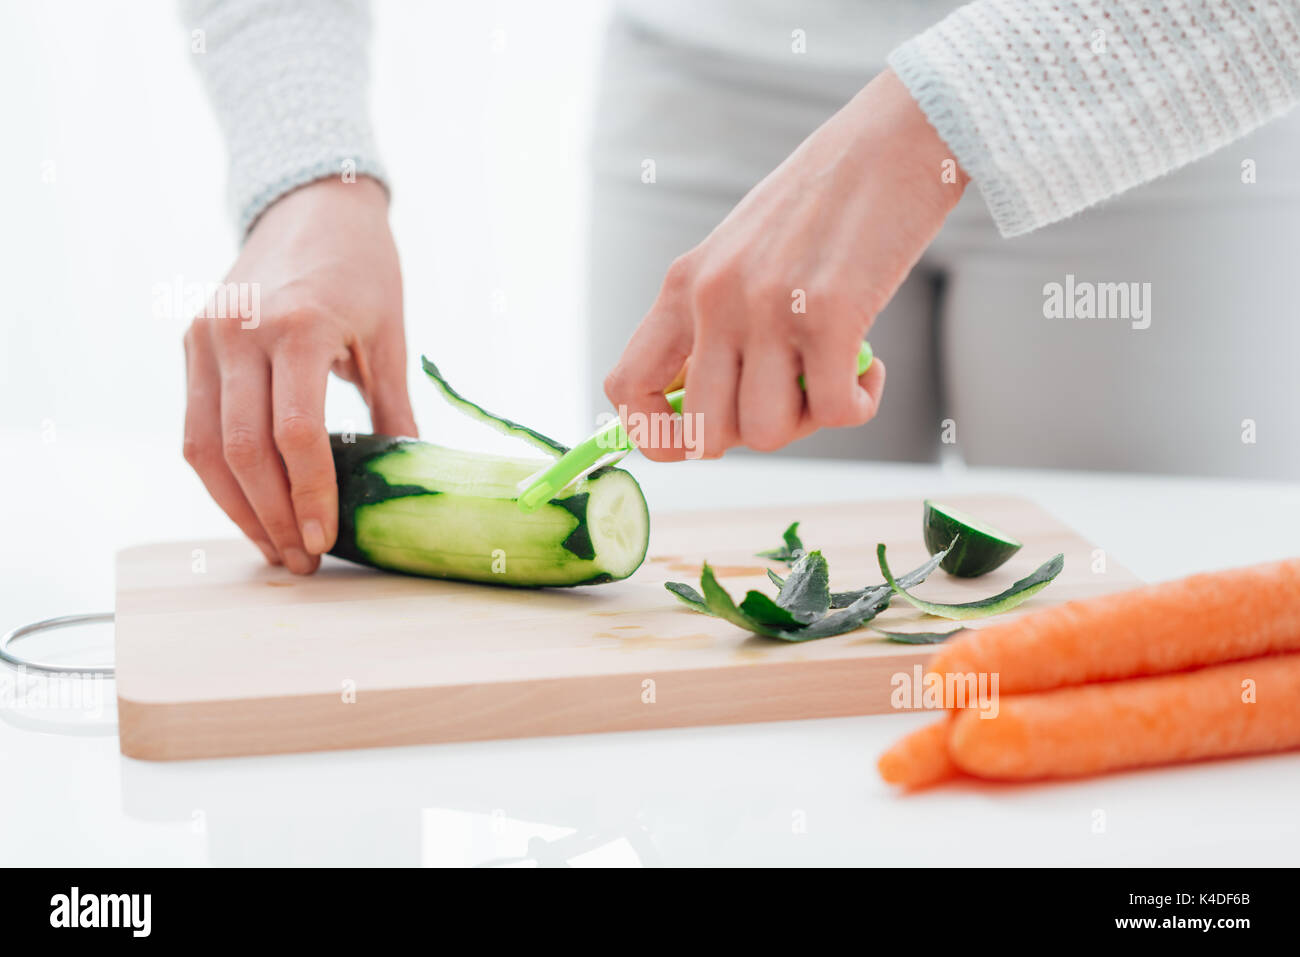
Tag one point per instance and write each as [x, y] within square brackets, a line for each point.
[977, 547]
[618, 522]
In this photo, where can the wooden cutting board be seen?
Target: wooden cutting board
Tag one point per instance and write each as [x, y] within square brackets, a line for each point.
[218, 654]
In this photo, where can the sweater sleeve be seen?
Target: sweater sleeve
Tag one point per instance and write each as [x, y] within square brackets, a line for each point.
[1053, 105]
[289, 81]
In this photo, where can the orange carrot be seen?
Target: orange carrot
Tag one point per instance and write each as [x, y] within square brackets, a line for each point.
[920, 759]
[1171, 626]
[1143, 721]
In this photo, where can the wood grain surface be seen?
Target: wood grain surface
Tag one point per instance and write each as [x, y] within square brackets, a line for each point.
[219, 655]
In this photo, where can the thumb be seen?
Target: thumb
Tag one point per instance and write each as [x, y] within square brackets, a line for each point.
[652, 361]
[655, 358]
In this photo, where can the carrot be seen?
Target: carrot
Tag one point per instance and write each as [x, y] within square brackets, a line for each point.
[1128, 724]
[1171, 626]
[920, 759]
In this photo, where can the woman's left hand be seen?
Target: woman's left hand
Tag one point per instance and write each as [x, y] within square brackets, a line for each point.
[790, 282]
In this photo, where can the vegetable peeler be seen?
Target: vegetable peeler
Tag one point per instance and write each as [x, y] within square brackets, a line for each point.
[605, 446]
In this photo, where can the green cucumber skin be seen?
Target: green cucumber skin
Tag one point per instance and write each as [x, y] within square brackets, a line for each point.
[479, 414]
[967, 559]
[383, 523]
[358, 486]
[1005, 600]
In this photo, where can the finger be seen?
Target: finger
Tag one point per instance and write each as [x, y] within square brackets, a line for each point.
[770, 403]
[660, 347]
[636, 386]
[203, 441]
[390, 399]
[873, 380]
[249, 449]
[711, 400]
[299, 373]
[650, 366]
[835, 398]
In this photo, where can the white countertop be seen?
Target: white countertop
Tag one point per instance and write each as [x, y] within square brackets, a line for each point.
[801, 792]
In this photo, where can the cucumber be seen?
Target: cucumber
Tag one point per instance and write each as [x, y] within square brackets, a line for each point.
[419, 508]
[977, 548]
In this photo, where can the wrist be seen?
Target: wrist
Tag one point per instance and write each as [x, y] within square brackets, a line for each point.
[365, 196]
[895, 124]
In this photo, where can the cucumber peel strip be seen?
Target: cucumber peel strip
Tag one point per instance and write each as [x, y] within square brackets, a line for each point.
[843, 599]
[790, 551]
[719, 603]
[762, 609]
[483, 416]
[1021, 591]
[688, 596]
[806, 595]
[761, 615]
[918, 637]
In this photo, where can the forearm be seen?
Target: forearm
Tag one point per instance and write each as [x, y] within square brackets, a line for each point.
[289, 82]
[1053, 105]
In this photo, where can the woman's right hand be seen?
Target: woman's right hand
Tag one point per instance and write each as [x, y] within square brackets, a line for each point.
[836, 227]
[322, 267]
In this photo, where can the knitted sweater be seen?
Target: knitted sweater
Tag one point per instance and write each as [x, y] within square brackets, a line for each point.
[289, 80]
[1049, 105]
[1053, 105]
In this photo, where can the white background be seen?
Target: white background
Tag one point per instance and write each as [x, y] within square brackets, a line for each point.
[487, 156]
[481, 111]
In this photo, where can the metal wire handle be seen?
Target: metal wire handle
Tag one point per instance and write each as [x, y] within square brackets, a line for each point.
[49, 624]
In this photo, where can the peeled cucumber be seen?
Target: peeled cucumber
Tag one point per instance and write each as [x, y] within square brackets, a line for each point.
[419, 508]
[415, 507]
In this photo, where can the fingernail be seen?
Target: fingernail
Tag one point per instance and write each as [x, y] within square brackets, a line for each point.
[271, 557]
[297, 561]
[313, 536]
